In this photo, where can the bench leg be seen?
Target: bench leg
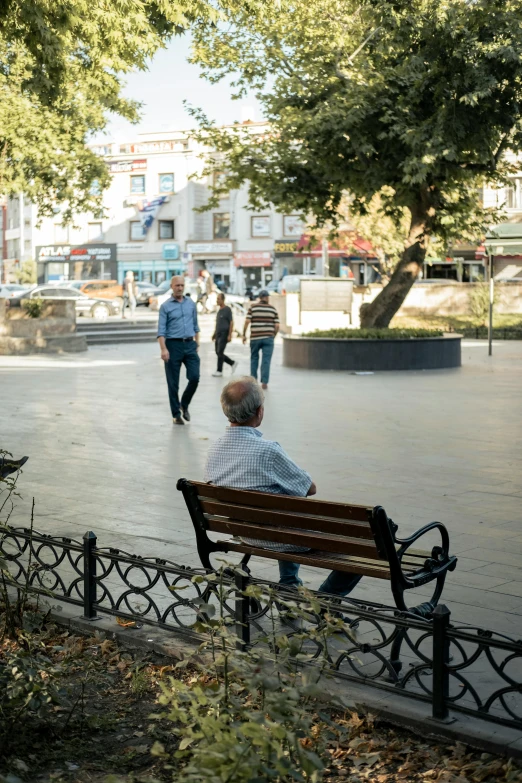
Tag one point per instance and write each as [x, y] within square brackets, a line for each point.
[242, 603]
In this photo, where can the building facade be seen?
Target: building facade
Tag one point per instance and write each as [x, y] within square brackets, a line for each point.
[153, 224]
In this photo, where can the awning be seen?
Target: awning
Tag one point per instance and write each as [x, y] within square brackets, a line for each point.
[505, 240]
[509, 272]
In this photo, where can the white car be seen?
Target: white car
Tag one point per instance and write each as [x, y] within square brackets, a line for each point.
[8, 290]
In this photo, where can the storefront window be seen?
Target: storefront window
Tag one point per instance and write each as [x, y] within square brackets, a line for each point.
[137, 184]
[166, 183]
[513, 194]
[292, 226]
[137, 231]
[166, 229]
[260, 226]
[221, 225]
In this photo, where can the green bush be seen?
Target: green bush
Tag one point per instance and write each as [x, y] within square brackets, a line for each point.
[375, 334]
[246, 716]
[33, 307]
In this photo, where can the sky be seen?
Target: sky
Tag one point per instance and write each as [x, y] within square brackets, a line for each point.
[162, 89]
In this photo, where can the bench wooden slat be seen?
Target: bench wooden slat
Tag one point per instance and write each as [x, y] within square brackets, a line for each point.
[279, 519]
[323, 508]
[345, 545]
[317, 559]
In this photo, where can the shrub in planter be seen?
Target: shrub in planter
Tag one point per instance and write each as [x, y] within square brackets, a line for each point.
[33, 307]
[375, 334]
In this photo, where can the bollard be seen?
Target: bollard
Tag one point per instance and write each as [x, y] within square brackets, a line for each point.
[89, 576]
[441, 621]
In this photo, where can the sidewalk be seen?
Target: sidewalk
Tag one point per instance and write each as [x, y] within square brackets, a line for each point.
[443, 445]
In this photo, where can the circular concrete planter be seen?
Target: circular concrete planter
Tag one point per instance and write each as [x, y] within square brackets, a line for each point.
[327, 353]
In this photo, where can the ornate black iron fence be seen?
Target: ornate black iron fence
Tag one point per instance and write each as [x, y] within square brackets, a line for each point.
[459, 669]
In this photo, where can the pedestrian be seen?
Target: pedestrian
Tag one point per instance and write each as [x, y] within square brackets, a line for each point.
[129, 294]
[205, 286]
[264, 325]
[178, 335]
[243, 459]
[223, 335]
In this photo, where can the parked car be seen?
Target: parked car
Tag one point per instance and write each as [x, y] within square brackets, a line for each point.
[99, 289]
[7, 290]
[145, 290]
[291, 284]
[271, 287]
[85, 305]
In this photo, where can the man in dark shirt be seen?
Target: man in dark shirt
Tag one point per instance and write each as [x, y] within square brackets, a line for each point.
[223, 335]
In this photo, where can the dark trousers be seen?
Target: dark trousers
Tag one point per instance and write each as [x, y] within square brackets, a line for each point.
[187, 354]
[221, 342]
[336, 583]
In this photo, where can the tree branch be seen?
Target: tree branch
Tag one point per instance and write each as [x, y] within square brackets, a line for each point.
[341, 74]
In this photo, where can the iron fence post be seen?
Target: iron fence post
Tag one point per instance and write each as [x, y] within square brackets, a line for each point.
[89, 576]
[441, 621]
[241, 612]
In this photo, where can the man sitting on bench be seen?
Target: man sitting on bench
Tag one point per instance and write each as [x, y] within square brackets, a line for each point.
[242, 459]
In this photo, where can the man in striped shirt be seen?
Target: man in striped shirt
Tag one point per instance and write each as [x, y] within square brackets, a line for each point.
[264, 325]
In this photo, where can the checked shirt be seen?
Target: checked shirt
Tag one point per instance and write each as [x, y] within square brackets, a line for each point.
[242, 459]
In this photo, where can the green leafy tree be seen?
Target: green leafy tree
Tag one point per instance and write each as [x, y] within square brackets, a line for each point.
[61, 78]
[422, 98]
[386, 235]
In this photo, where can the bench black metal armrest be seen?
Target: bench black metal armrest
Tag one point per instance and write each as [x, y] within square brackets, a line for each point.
[438, 563]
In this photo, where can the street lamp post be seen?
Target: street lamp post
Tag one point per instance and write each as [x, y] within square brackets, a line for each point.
[491, 297]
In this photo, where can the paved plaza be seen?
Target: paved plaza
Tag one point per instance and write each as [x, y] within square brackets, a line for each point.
[434, 445]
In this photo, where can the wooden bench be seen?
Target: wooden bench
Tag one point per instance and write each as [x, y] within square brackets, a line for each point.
[343, 537]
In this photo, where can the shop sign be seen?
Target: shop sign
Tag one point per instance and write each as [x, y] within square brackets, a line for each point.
[244, 258]
[129, 247]
[285, 246]
[209, 247]
[101, 252]
[121, 166]
[170, 251]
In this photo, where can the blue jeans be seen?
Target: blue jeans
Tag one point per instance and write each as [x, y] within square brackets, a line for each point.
[266, 346]
[187, 354]
[337, 583]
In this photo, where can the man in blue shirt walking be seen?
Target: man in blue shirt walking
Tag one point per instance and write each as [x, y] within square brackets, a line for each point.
[178, 335]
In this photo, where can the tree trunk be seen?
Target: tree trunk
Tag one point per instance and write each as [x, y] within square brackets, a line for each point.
[379, 313]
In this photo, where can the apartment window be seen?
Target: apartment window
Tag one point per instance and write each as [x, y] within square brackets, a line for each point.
[137, 184]
[61, 234]
[292, 226]
[137, 231]
[94, 231]
[513, 194]
[166, 229]
[221, 225]
[260, 226]
[95, 189]
[166, 183]
[218, 181]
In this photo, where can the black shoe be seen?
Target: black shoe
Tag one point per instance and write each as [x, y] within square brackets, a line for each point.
[178, 420]
[185, 414]
[8, 466]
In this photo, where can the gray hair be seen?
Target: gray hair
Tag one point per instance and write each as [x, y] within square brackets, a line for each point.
[241, 398]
